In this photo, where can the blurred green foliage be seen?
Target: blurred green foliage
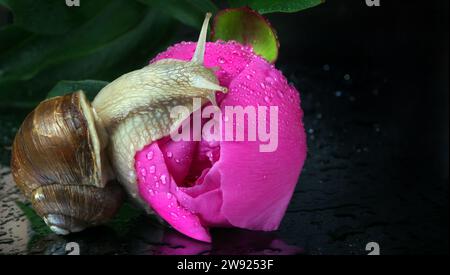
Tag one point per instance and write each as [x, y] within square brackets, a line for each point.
[89, 87]
[269, 6]
[49, 42]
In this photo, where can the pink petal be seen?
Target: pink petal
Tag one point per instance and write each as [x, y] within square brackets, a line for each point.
[230, 183]
[157, 187]
[256, 186]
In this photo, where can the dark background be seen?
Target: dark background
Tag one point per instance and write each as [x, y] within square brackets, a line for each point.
[378, 143]
[374, 88]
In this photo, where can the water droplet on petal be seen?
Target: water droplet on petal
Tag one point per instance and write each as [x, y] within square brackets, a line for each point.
[169, 195]
[163, 179]
[143, 172]
[267, 99]
[152, 169]
[263, 85]
[221, 60]
[169, 154]
[150, 155]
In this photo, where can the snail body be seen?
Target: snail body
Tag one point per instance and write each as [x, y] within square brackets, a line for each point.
[149, 101]
[62, 151]
[135, 108]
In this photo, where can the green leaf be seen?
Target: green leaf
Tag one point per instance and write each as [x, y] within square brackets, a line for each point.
[40, 229]
[4, 3]
[188, 12]
[37, 224]
[89, 87]
[11, 36]
[269, 6]
[52, 16]
[41, 51]
[124, 52]
[249, 28]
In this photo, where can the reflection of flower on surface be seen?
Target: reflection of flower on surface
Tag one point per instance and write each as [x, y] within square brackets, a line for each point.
[227, 242]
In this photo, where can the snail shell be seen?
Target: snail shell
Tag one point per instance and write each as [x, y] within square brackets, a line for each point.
[59, 163]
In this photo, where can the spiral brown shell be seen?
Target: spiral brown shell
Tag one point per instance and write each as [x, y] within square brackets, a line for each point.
[59, 164]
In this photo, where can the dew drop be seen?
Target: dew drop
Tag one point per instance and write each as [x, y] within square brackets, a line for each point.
[221, 60]
[143, 172]
[150, 155]
[267, 99]
[169, 195]
[263, 85]
[163, 179]
[269, 79]
[152, 169]
[169, 154]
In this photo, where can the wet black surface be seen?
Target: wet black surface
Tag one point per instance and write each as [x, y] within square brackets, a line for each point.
[374, 88]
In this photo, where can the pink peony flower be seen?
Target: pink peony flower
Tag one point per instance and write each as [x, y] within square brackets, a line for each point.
[195, 185]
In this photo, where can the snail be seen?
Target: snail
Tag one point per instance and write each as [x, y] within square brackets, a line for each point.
[62, 153]
[59, 163]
